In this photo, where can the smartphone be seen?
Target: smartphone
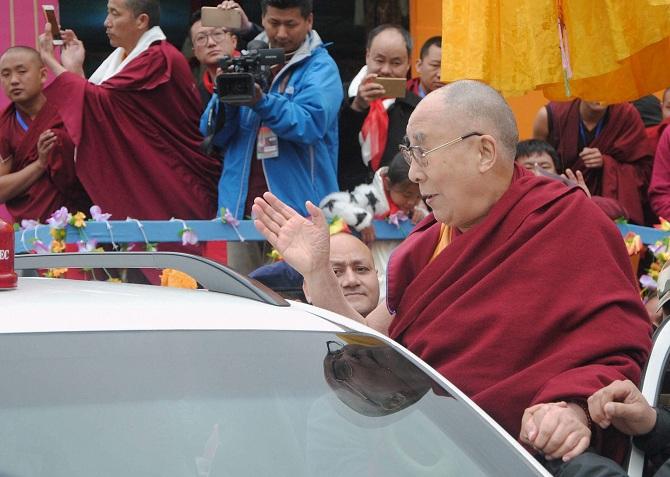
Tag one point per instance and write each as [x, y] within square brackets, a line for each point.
[50, 15]
[217, 17]
[395, 87]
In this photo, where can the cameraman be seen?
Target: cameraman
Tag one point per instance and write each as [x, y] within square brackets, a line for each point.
[284, 140]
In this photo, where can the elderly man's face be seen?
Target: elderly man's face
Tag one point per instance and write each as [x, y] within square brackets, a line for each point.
[355, 271]
[123, 28]
[450, 180]
[387, 56]
[210, 44]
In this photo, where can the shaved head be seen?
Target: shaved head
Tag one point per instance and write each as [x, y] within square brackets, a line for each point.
[32, 53]
[483, 109]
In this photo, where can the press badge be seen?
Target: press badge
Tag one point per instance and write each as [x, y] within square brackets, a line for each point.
[267, 145]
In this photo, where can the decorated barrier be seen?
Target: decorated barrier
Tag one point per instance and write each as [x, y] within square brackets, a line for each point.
[39, 237]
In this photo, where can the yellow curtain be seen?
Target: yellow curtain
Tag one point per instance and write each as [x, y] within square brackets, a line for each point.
[618, 50]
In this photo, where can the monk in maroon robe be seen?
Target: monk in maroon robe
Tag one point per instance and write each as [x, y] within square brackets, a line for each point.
[37, 174]
[135, 124]
[484, 289]
[607, 144]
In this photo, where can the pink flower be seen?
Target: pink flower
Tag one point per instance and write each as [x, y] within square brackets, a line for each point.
[229, 219]
[398, 217]
[29, 224]
[97, 215]
[88, 246]
[188, 237]
[40, 247]
[59, 219]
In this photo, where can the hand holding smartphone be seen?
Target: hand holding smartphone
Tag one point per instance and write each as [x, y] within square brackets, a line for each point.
[50, 15]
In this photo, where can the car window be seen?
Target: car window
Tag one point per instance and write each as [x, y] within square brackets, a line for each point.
[233, 403]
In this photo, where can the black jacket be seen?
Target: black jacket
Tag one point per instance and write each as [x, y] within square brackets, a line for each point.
[351, 171]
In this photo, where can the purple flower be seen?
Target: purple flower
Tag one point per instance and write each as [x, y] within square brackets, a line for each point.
[29, 224]
[88, 246]
[40, 247]
[97, 215]
[188, 237]
[657, 247]
[59, 219]
[647, 282]
[398, 217]
[229, 219]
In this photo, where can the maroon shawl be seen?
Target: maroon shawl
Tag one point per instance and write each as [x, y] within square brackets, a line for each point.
[627, 154]
[511, 315]
[138, 141]
[58, 186]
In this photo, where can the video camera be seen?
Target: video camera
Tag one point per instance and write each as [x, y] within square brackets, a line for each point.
[236, 84]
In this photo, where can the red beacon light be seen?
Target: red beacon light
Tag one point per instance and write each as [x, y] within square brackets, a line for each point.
[7, 275]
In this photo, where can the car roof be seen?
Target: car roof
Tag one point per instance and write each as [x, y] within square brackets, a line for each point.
[45, 305]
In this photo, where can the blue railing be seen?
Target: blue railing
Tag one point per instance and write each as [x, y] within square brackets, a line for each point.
[156, 231]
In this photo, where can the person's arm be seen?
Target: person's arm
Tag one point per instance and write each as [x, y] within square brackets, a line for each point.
[305, 245]
[541, 124]
[72, 54]
[248, 30]
[16, 183]
[305, 116]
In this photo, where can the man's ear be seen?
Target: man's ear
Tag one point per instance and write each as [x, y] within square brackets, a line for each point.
[487, 153]
[142, 21]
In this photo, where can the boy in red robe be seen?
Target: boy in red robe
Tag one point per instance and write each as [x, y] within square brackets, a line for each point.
[135, 122]
[36, 154]
[497, 233]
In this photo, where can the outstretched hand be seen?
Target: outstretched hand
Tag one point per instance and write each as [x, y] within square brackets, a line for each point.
[303, 243]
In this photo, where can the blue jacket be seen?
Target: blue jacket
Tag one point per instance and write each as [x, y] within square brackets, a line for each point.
[301, 108]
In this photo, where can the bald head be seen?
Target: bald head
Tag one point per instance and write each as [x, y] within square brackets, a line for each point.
[30, 54]
[482, 109]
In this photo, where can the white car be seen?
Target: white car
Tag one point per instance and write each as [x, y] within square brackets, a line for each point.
[111, 379]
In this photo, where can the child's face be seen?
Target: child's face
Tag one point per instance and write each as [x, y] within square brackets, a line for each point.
[542, 160]
[405, 195]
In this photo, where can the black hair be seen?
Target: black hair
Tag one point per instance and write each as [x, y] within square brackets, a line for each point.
[531, 147]
[150, 7]
[306, 6]
[398, 170]
[389, 26]
[432, 41]
[195, 17]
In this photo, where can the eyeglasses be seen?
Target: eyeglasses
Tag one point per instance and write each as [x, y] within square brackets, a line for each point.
[217, 36]
[417, 154]
[341, 369]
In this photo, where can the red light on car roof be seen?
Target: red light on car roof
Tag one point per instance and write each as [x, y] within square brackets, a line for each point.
[7, 274]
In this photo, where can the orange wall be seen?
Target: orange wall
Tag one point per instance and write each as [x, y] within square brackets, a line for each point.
[425, 19]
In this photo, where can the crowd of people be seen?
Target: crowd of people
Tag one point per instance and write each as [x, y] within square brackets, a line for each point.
[142, 137]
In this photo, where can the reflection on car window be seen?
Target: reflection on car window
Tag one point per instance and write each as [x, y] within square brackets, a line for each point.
[232, 403]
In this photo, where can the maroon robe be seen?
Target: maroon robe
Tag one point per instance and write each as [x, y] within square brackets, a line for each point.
[58, 186]
[627, 155]
[137, 139]
[514, 318]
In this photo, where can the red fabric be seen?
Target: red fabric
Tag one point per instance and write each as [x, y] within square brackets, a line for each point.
[659, 189]
[137, 137]
[512, 317]
[375, 130]
[627, 154]
[59, 185]
[207, 82]
[654, 133]
[414, 85]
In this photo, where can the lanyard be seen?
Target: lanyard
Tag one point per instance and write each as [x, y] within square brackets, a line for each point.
[22, 123]
[582, 131]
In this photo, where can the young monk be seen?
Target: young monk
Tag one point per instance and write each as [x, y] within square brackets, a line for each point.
[36, 154]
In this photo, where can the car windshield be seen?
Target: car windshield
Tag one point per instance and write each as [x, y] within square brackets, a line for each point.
[233, 403]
